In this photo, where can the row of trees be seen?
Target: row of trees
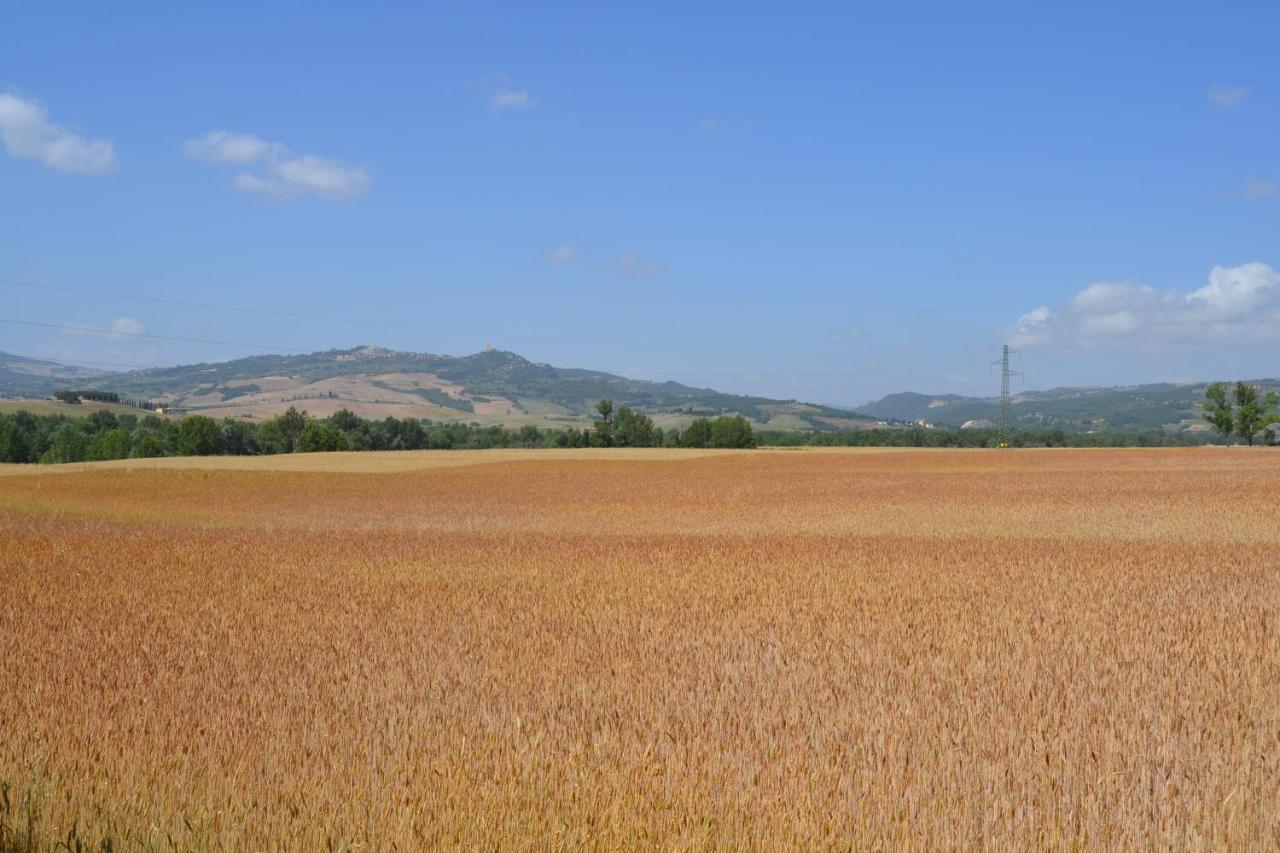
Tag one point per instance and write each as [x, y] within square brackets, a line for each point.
[102, 435]
[985, 437]
[1242, 411]
[93, 395]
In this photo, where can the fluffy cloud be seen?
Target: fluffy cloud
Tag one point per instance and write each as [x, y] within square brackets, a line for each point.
[279, 173]
[128, 326]
[28, 134]
[506, 99]
[239, 148]
[1226, 96]
[1237, 304]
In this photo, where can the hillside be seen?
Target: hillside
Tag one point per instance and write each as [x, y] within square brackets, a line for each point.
[31, 377]
[1140, 407]
[489, 387]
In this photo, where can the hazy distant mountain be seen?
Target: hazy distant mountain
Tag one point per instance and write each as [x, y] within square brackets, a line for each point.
[1138, 407]
[31, 377]
[490, 387]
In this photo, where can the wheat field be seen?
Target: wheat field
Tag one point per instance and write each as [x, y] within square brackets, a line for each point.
[653, 649]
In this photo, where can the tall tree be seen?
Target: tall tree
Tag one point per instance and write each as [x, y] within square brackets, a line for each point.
[1253, 410]
[604, 429]
[1218, 411]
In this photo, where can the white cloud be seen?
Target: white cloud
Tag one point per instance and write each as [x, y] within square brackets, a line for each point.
[502, 95]
[223, 147]
[1226, 96]
[128, 326]
[28, 134]
[562, 255]
[121, 328]
[1238, 304]
[280, 173]
[505, 99]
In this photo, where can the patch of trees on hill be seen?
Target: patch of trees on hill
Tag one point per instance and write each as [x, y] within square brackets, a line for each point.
[94, 395]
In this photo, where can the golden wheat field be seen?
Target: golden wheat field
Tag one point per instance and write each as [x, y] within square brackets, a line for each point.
[533, 650]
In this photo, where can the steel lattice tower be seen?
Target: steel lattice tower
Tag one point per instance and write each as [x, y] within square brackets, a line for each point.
[1005, 375]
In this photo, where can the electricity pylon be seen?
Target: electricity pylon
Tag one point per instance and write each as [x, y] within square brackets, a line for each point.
[1005, 375]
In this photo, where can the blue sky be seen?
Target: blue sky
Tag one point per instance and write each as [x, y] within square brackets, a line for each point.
[794, 200]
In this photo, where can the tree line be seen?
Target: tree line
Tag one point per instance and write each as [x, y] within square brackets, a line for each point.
[1240, 412]
[985, 437]
[95, 396]
[104, 435]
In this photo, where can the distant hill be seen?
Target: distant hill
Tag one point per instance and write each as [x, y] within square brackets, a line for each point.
[1138, 407]
[31, 377]
[489, 387]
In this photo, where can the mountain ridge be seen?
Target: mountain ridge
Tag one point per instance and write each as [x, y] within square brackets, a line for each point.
[492, 386]
[498, 386]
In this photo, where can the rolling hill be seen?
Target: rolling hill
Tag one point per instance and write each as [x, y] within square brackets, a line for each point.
[493, 386]
[1165, 406]
[31, 377]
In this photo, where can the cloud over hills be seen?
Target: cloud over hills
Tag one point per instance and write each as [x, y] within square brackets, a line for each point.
[1238, 304]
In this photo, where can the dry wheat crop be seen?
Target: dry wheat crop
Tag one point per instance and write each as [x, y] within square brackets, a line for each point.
[530, 650]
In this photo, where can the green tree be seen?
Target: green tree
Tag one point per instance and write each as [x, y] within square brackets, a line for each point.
[698, 434]
[1253, 411]
[529, 436]
[199, 436]
[69, 444]
[345, 420]
[732, 431]
[147, 445]
[1217, 409]
[239, 438]
[634, 429]
[101, 420]
[318, 438]
[604, 428]
[15, 446]
[112, 444]
[280, 434]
